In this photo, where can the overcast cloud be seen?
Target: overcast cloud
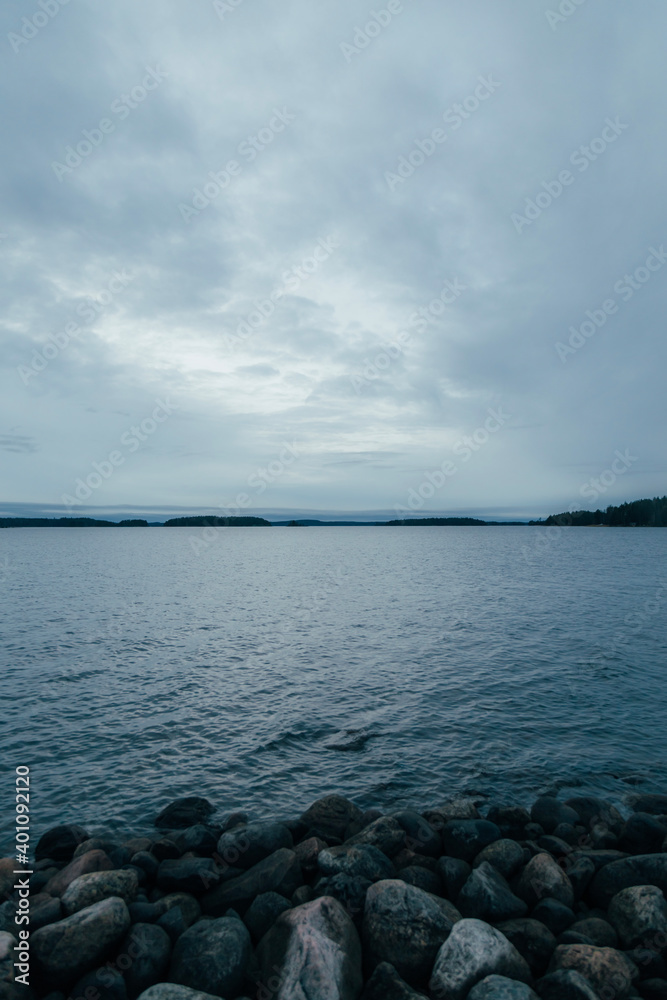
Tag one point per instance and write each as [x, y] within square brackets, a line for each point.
[218, 321]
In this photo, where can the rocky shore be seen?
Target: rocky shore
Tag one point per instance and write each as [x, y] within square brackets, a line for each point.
[562, 902]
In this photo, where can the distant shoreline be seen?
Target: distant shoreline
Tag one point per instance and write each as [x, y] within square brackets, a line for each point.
[635, 514]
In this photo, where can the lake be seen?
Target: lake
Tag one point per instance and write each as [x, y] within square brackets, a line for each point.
[268, 667]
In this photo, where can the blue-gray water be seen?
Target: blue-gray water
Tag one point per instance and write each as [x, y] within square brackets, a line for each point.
[393, 665]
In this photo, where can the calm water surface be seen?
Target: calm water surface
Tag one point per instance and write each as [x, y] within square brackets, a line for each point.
[391, 665]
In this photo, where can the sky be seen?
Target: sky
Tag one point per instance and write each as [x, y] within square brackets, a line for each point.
[289, 256]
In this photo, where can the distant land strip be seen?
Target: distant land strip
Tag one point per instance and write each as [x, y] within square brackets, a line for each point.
[636, 514]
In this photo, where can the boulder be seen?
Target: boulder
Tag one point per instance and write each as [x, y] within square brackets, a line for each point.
[183, 901]
[7, 877]
[592, 810]
[461, 808]
[169, 991]
[198, 839]
[280, 872]
[103, 984]
[654, 804]
[465, 838]
[92, 861]
[405, 926]
[185, 812]
[96, 844]
[386, 984]
[645, 869]
[420, 836]
[543, 877]
[580, 874]
[361, 860]
[311, 951]
[453, 874]
[512, 820]
[422, 878]
[60, 843]
[505, 855]
[349, 890]
[149, 948]
[653, 989]
[599, 856]
[263, 912]
[597, 930]
[603, 967]
[639, 914]
[68, 949]
[165, 849]
[212, 956]
[43, 911]
[566, 985]
[501, 988]
[534, 942]
[553, 914]
[487, 896]
[385, 833]
[308, 851]
[549, 812]
[95, 886]
[147, 862]
[192, 875]
[7, 944]
[330, 816]
[642, 834]
[245, 846]
[473, 951]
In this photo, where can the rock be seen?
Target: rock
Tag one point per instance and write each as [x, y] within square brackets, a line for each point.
[645, 869]
[556, 847]
[143, 913]
[165, 849]
[7, 944]
[534, 942]
[510, 819]
[173, 923]
[307, 853]
[60, 843]
[95, 844]
[47, 911]
[453, 873]
[639, 913]
[461, 808]
[149, 948]
[349, 890]
[92, 861]
[407, 858]
[197, 839]
[281, 873]
[330, 816]
[238, 818]
[501, 988]
[642, 834]
[245, 846]
[147, 862]
[263, 912]
[404, 926]
[7, 877]
[212, 956]
[549, 812]
[580, 874]
[599, 857]
[650, 963]
[566, 985]
[473, 951]
[169, 991]
[653, 989]
[570, 834]
[600, 932]
[68, 949]
[362, 860]
[422, 878]
[386, 984]
[505, 855]
[385, 833]
[186, 903]
[592, 811]
[102, 984]
[311, 951]
[136, 844]
[304, 894]
[553, 914]
[601, 966]
[95, 886]
[574, 937]
[192, 875]
[654, 804]
[543, 877]
[487, 896]
[465, 838]
[185, 812]
[420, 836]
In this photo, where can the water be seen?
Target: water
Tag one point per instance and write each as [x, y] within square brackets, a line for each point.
[395, 666]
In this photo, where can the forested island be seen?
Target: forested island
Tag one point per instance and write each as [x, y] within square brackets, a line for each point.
[635, 514]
